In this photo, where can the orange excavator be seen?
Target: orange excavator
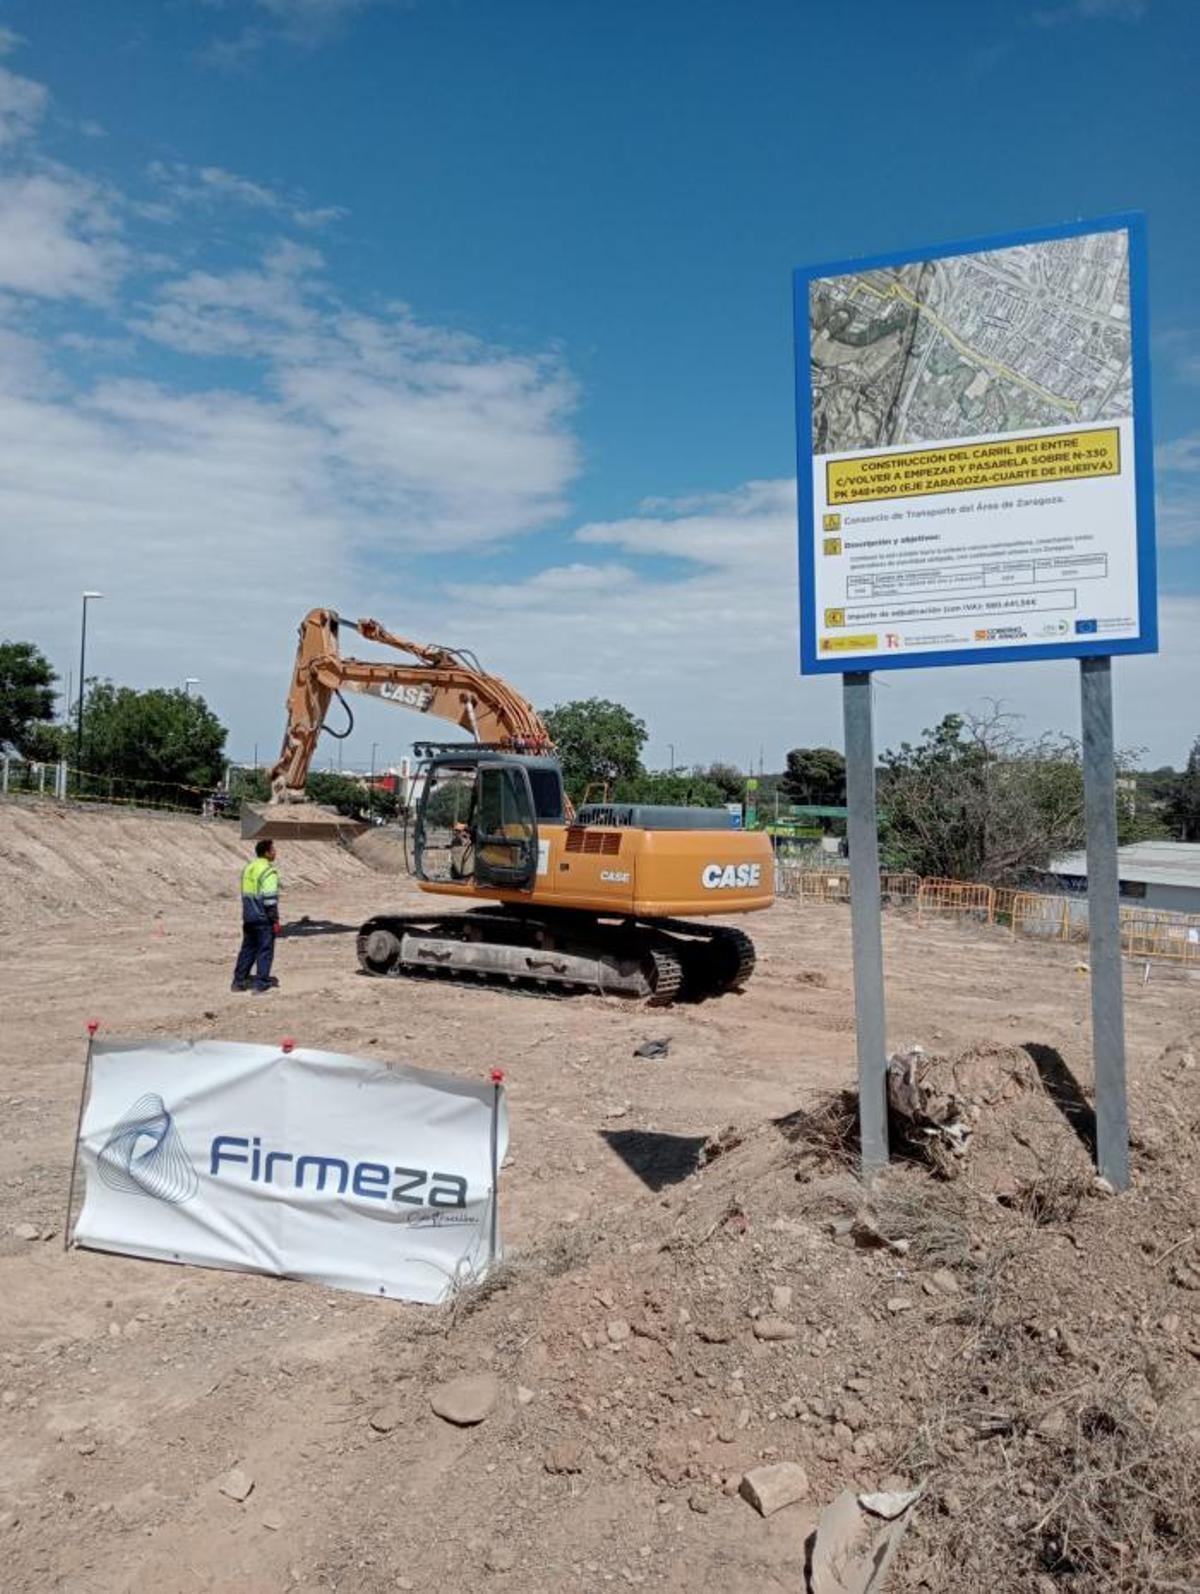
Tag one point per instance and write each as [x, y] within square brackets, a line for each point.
[601, 899]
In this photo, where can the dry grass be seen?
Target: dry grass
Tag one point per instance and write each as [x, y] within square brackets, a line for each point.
[1049, 1456]
[825, 1136]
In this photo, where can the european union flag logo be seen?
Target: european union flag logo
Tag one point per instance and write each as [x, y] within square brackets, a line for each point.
[1085, 627]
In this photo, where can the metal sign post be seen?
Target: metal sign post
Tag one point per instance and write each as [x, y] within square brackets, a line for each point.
[1104, 921]
[865, 921]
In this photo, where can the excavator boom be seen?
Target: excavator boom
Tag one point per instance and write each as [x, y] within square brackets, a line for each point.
[445, 682]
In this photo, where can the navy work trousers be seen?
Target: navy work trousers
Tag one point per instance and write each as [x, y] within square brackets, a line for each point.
[258, 947]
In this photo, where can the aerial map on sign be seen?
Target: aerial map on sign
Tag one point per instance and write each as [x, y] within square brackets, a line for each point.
[972, 345]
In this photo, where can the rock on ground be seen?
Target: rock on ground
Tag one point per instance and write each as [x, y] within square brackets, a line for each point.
[769, 1489]
[466, 1401]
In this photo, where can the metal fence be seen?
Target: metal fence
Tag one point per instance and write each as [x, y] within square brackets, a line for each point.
[1146, 933]
[26, 777]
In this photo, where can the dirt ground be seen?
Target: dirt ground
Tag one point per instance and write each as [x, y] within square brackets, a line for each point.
[685, 1297]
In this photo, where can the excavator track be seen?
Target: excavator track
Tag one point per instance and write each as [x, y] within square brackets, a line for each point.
[658, 962]
[668, 978]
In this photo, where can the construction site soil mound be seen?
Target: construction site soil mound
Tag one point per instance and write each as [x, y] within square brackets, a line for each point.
[697, 1287]
[384, 849]
[59, 862]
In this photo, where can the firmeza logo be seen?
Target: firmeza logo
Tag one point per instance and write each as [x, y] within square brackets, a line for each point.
[144, 1155]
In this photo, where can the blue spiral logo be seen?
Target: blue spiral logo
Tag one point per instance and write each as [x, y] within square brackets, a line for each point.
[144, 1155]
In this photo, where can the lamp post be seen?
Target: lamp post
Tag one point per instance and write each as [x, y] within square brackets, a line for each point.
[671, 750]
[188, 682]
[371, 793]
[82, 679]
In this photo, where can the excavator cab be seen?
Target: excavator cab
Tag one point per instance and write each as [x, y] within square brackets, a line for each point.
[477, 818]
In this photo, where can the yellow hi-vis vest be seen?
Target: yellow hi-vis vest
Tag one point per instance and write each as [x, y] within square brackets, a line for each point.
[260, 891]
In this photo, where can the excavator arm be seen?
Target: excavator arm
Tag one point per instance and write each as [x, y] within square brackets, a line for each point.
[445, 682]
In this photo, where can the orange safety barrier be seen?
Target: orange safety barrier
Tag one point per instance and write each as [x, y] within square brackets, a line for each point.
[956, 897]
[823, 886]
[1004, 904]
[1146, 933]
[900, 887]
[1036, 914]
[1151, 933]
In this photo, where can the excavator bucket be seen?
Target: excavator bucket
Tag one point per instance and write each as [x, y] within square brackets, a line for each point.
[297, 822]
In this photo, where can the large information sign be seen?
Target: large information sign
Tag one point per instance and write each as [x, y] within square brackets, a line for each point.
[975, 452]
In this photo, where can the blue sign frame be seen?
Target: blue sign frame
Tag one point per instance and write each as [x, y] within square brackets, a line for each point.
[811, 663]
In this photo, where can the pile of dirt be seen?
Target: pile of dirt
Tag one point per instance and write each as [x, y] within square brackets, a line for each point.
[1020, 1344]
[59, 862]
[385, 849]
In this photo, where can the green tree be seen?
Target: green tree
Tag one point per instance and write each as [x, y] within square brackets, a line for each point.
[597, 741]
[1183, 803]
[26, 693]
[973, 800]
[349, 797]
[726, 778]
[149, 740]
[46, 744]
[815, 775]
[682, 789]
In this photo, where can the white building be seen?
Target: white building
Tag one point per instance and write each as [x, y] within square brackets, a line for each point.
[1156, 874]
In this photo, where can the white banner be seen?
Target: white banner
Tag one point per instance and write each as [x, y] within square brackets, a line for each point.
[305, 1164]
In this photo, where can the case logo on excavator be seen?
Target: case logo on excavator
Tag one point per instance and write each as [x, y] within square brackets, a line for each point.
[615, 877]
[729, 876]
[418, 697]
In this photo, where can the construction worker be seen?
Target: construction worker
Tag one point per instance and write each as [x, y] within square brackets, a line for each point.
[260, 921]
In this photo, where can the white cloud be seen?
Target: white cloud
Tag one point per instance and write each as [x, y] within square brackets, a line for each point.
[212, 186]
[306, 23]
[250, 312]
[58, 231]
[320, 216]
[426, 428]
[1178, 514]
[1181, 454]
[22, 102]
[549, 589]
[232, 186]
[58, 237]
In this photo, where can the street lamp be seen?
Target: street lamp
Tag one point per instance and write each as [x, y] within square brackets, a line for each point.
[671, 749]
[371, 794]
[189, 681]
[82, 679]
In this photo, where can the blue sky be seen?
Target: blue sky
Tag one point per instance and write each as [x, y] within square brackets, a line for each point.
[476, 316]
